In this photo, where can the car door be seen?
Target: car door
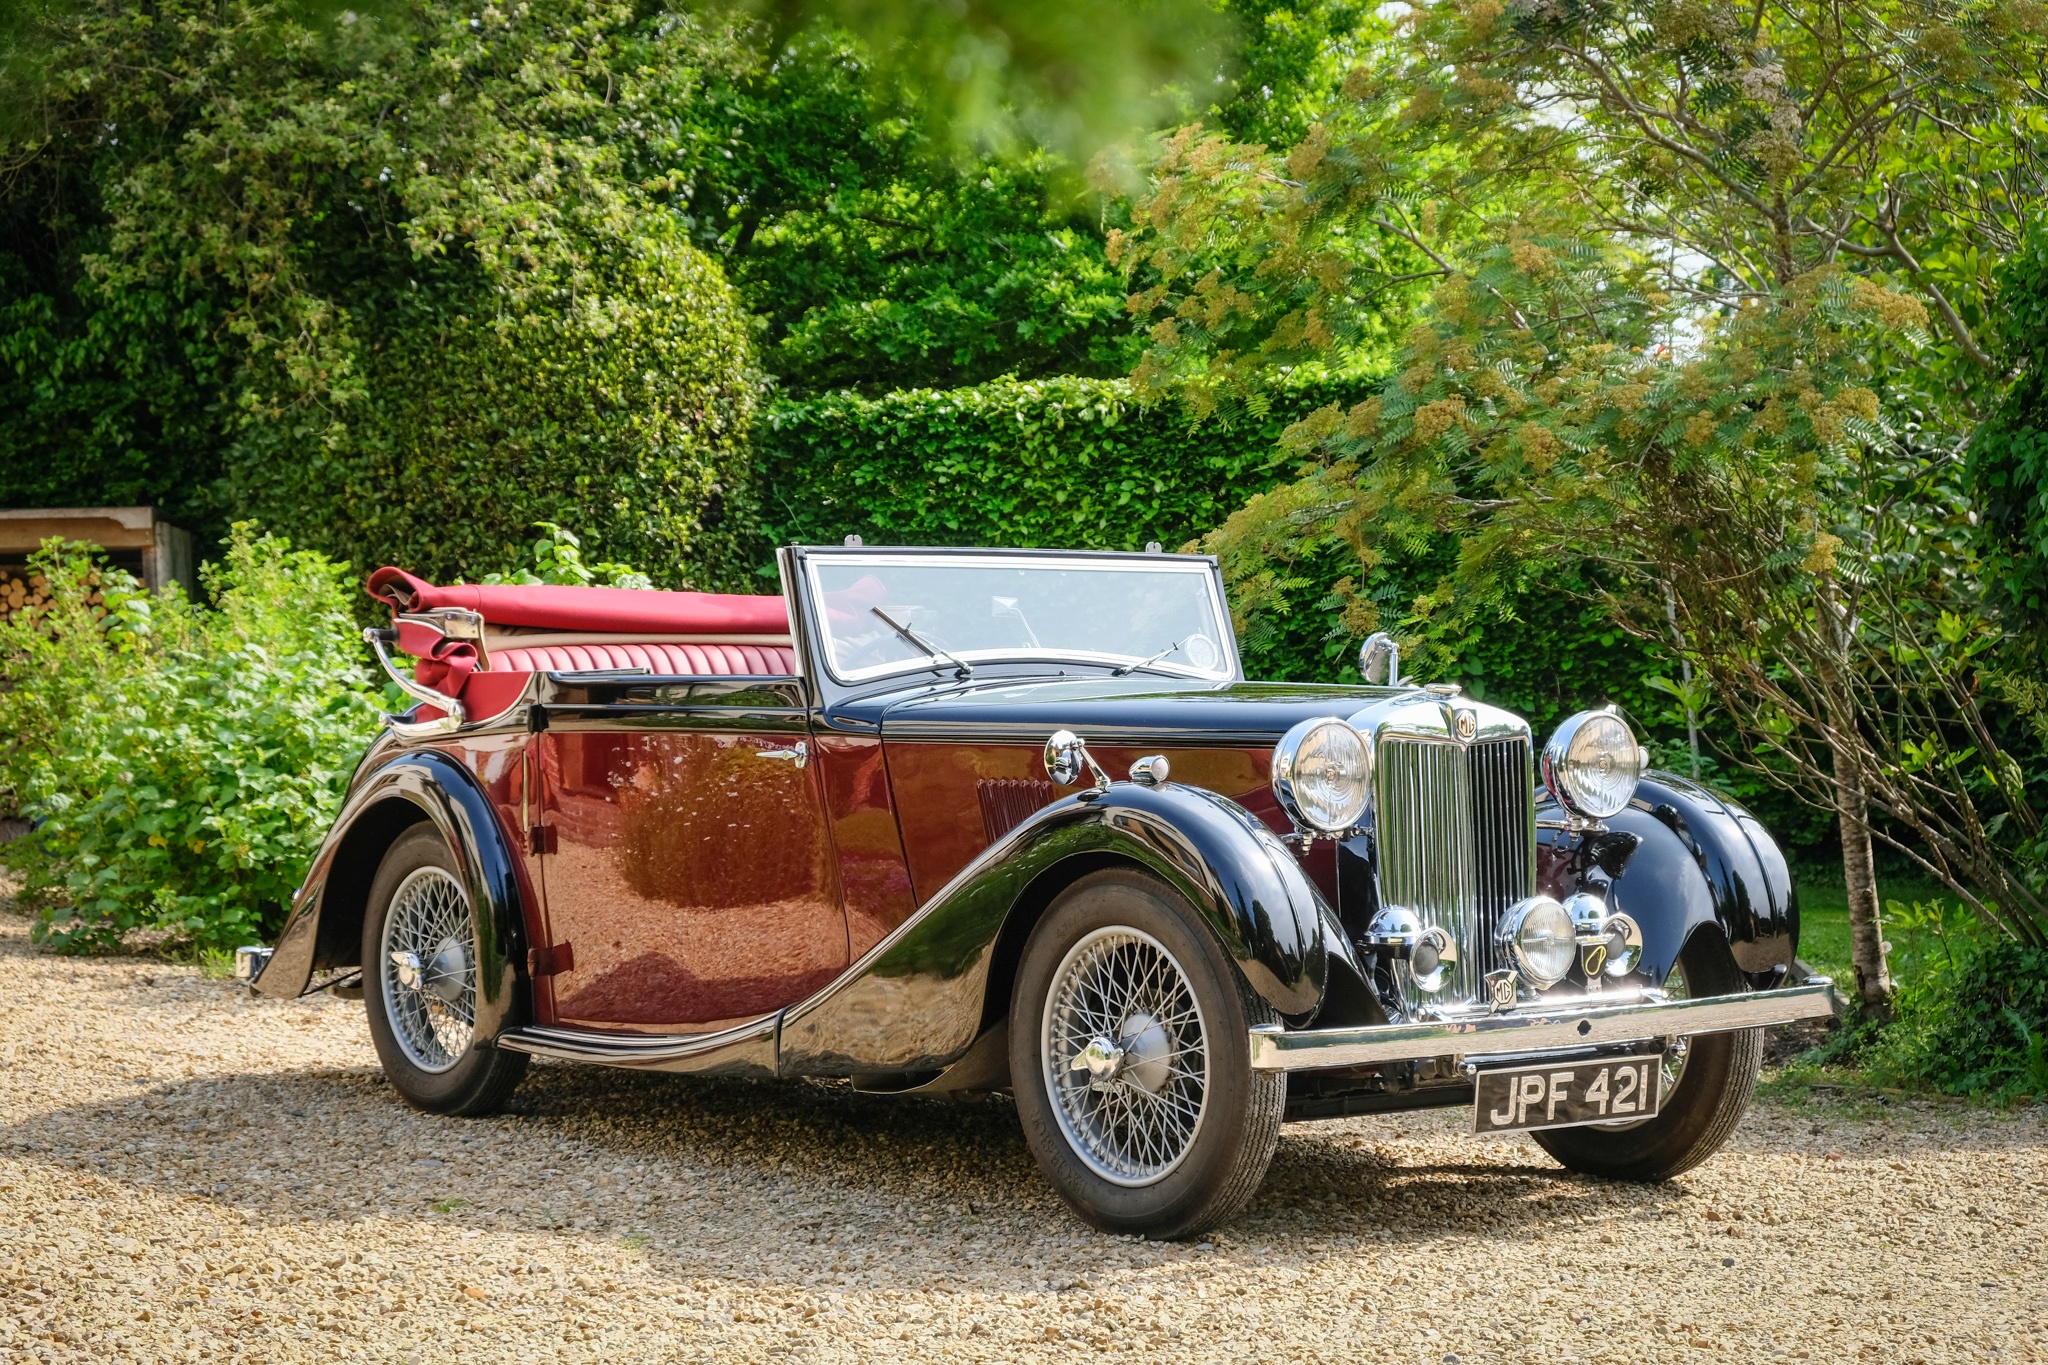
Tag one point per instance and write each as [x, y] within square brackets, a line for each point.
[688, 874]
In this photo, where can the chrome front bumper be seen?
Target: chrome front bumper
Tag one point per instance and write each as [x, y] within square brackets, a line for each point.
[1576, 1023]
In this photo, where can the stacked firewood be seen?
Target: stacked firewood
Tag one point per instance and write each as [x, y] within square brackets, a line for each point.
[23, 592]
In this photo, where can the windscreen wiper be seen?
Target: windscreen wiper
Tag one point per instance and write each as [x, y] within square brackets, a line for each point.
[1128, 669]
[960, 670]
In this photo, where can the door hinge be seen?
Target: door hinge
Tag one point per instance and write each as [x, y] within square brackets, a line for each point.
[542, 839]
[551, 961]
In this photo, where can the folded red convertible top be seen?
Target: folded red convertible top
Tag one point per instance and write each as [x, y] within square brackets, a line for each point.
[590, 609]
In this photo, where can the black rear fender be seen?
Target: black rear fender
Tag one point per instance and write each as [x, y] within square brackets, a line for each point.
[325, 929]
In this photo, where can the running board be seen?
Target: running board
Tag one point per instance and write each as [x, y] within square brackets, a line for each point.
[748, 1050]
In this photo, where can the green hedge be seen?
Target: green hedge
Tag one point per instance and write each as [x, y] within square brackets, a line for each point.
[1069, 462]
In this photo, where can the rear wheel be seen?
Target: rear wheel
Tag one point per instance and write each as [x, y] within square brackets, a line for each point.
[420, 983]
[1130, 1061]
[1707, 1088]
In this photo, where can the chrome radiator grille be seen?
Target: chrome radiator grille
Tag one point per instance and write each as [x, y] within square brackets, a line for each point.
[1454, 826]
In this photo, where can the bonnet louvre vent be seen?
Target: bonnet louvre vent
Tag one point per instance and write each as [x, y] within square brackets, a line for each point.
[1007, 802]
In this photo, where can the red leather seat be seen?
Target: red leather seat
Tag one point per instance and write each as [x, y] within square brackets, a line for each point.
[689, 661]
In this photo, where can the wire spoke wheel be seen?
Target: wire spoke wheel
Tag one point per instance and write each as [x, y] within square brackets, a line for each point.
[1125, 1052]
[427, 962]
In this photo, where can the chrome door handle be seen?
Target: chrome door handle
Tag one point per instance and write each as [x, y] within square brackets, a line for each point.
[800, 754]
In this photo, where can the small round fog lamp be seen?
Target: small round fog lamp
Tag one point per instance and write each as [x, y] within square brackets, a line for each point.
[1624, 945]
[1431, 962]
[1540, 937]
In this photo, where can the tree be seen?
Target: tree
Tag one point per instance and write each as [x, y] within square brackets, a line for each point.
[875, 253]
[1686, 262]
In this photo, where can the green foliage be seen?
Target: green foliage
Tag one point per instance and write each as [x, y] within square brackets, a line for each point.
[1291, 59]
[181, 762]
[1058, 462]
[382, 280]
[2009, 453]
[873, 252]
[558, 559]
[626, 415]
[1973, 1021]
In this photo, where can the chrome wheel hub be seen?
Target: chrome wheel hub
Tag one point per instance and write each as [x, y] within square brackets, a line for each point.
[428, 966]
[1125, 1056]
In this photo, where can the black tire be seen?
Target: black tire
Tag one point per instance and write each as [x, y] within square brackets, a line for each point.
[1712, 1091]
[1212, 1173]
[480, 1077]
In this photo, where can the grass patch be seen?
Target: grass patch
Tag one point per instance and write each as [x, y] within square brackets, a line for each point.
[1824, 923]
[1970, 1009]
[216, 964]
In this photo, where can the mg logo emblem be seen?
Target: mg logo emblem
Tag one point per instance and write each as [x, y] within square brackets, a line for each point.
[1468, 725]
[1500, 991]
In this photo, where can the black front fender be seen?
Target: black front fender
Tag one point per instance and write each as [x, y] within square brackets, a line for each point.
[1702, 861]
[916, 1002]
[324, 930]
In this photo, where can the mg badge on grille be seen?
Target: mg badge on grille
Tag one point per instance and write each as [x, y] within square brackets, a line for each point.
[1467, 724]
[1500, 991]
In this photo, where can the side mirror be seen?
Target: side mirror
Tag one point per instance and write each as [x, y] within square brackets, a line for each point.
[1067, 761]
[1379, 660]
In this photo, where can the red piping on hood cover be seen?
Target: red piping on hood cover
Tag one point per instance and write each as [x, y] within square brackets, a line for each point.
[596, 610]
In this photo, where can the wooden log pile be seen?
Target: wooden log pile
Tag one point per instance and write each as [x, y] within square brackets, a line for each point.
[24, 593]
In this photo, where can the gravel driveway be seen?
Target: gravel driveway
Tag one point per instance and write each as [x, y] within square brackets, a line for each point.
[188, 1173]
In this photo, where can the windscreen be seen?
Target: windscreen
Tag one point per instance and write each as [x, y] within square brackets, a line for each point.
[887, 613]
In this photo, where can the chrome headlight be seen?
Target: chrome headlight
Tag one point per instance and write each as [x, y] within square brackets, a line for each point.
[1592, 764]
[1541, 938]
[1322, 775]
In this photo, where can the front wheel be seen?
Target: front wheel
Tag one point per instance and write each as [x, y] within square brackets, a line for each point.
[420, 983]
[1130, 1059]
[1707, 1088]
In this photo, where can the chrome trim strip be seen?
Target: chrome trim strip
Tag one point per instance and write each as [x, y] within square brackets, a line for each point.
[901, 730]
[748, 1047]
[1568, 1024]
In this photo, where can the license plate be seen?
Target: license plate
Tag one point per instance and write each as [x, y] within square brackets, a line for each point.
[1563, 1096]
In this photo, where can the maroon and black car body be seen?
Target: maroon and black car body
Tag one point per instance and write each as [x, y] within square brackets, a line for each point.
[943, 820]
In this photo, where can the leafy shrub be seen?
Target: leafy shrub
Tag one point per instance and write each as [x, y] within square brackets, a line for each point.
[626, 414]
[181, 762]
[1973, 1021]
[2008, 459]
[558, 560]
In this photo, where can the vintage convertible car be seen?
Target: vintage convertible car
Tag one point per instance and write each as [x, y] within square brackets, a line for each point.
[945, 820]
